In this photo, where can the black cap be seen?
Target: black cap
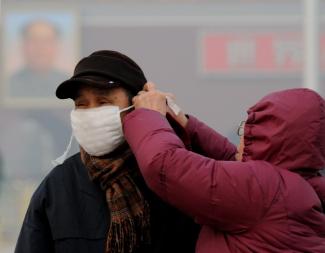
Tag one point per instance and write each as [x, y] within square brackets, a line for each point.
[105, 68]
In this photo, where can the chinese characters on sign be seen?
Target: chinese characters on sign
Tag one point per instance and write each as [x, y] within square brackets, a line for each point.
[266, 53]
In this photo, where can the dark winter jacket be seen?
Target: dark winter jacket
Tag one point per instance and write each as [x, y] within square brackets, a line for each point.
[68, 214]
[269, 202]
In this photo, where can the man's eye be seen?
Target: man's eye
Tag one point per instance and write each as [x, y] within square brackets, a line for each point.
[104, 102]
[80, 105]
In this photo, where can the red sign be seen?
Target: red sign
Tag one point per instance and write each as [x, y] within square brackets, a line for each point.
[254, 53]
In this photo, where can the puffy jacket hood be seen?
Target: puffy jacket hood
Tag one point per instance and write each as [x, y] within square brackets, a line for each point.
[287, 129]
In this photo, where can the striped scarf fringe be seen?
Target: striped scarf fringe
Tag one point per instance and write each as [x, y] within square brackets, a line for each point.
[129, 211]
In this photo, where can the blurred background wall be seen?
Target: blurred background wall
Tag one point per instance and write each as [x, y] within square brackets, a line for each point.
[217, 56]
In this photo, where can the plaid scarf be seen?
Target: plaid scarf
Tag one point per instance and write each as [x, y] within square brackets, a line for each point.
[130, 219]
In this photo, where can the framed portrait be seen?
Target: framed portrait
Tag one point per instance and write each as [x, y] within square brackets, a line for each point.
[40, 49]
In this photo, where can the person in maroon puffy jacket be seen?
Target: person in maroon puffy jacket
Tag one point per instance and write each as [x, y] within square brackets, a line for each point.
[265, 196]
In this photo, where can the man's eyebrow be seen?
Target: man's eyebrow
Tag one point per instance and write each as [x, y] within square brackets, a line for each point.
[102, 92]
[78, 96]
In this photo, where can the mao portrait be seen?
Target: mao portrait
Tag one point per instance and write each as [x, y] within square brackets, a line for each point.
[39, 52]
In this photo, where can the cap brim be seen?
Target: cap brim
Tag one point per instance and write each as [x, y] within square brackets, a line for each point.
[70, 87]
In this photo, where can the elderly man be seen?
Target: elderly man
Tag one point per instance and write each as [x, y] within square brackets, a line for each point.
[97, 201]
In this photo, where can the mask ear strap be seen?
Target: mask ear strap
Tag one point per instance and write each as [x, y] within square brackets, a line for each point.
[170, 102]
[127, 108]
[61, 159]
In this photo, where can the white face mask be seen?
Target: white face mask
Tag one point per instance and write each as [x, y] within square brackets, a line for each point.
[91, 125]
[98, 130]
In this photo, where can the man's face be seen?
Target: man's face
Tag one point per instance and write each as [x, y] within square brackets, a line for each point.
[40, 46]
[92, 97]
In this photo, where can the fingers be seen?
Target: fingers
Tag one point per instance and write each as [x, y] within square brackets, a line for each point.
[171, 95]
[149, 86]
[152, 99]
[141, 92]
[134, 99]
[166, 94]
